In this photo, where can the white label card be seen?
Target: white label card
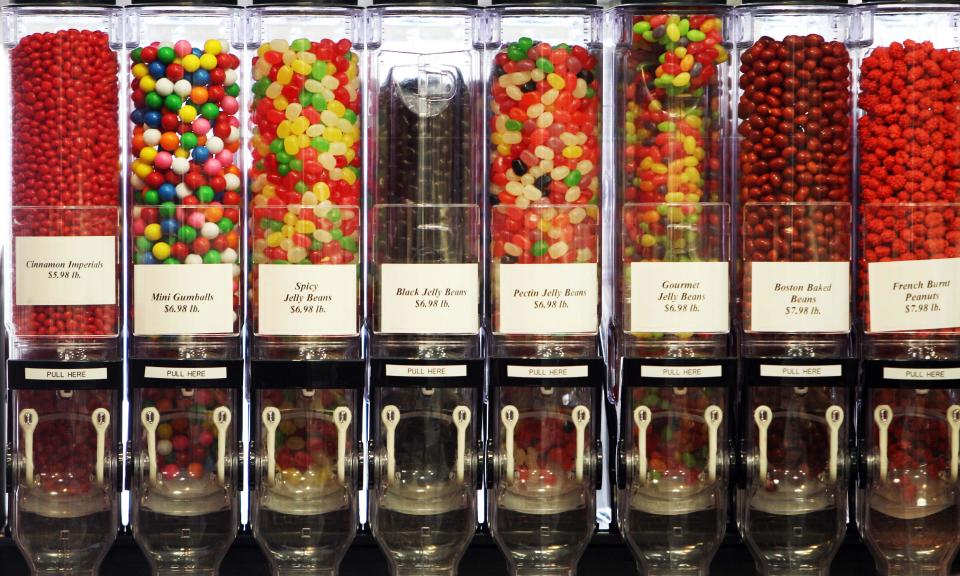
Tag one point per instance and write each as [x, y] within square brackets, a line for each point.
[186, 299]
[799, 297]
[426, 370]
[73, 374]
[66, 270]
[548, 298]
[171, 373]
[801, 371]
[580, 371]
[319, 300]
[429, 298]
[914, 295]
[656, 371]
[680, 297]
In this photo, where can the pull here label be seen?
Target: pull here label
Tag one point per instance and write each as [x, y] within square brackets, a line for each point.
[706, 371]
[426, 371]
[921, 373]
[65, 374]
[171, 373]
[801, 371]
[579, 371]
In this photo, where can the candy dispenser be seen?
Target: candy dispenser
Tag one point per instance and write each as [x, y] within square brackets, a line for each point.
[425, 470]
[63, 246]
[426, 160]
[910, 314]
[793, 498]
[184, 434]
[306, 467]
[674, 461]
[672, 225]
[305, 179]
[544, 183]
[62, 311]
[546, 457]
[63, 504]
[185, 186]
[793, 176]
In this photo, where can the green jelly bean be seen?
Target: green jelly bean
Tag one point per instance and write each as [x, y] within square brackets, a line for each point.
[516, 53]
[259, 88]
[539, 248]
[545, 65]
[333, 215]
[276, 146]
[336, 233]
[573, 178]
[666, 126]
[319, 70]
[684, 27]
[319, 144]
[349, 243]
[283, 157]
[525, 43]
[514, 125]
[641, 27]
[296, 164]
[696, 36]
[350, 115]
[300, 45]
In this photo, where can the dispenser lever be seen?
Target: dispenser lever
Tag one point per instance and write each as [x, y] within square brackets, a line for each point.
[390, 416]
[28, 423]
[581, 417]
[953, 419]
[509, 416]
[271, 417]
[834, 418]
[882, 417]
[713, 416]
[763, 416]
[342, 417]
[461, 419]
[101, 421]
[642, 417]
[150, 418]
[221, 420]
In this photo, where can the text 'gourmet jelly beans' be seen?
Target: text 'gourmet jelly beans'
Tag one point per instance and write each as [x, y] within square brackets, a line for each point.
[545, 172]
[306, 167]
[909, 152]
[65, 153]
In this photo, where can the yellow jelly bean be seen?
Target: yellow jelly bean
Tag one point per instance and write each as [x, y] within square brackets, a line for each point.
[572, 152]
[287, 232]
[305, 227]
[300, 125]
[269, 191]
[284, 129]
[284, 75]
[330, 133]
[300, 67]
[556, 81]
[280, 103]
[349, 176]
[681, 79]
[322, 191]
[273, 240]
[673, 32]
[291, 144]
[337, 107]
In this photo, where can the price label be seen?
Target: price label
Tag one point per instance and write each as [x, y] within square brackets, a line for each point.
[799, 297]
[914, 295]
[182, 300]
[547, 298]
[65, 270]
[429, 298]
[318, 300]
[680, 297]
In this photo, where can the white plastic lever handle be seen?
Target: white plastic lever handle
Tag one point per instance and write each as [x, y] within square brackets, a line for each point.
[834, 418]
[342, 417]
[953, 419]
[461, 419]
[642, 417]
[271, 417]
[763, 416]
[713, 416]
[28, 423]
[101, 421]
[221, 420]
[390, 416]
[581, 417]
[509, 416]
[150, 418]
[882, 417]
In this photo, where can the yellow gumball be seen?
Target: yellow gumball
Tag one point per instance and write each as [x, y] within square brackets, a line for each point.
[153, 232]
[161, 251]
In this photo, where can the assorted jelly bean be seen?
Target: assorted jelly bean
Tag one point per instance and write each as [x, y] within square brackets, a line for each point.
[64, 440]
[306, 438]
[186, 435]
[65, 154]
[545, 167]
[186, 139]
[677, 438]
[909, 153]
[305, 176]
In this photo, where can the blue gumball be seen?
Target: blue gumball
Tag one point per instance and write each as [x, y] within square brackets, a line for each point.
[136, 116]
[148, 258]
[169, 226]
[167, 192]
[201, 77]
[201, 154]
[157, 69]
[152, 118]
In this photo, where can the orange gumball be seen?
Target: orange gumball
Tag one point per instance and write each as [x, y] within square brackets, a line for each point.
[198, 96]
[213, 214]
[195, 470]
[169, 141]
[233, 239]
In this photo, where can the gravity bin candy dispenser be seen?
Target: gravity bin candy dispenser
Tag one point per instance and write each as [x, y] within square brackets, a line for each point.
[672, 310]
[184, 450]
[794, 165]
[425, 187]
[544, 184]
[908, 165]
[185, 185]
[305, 179]
[62, 161]
[307, 374]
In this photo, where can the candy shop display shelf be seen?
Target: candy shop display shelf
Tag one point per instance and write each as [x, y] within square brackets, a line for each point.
[607, 554]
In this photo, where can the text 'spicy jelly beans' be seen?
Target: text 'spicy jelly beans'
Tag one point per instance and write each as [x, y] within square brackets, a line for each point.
[672, 140]
[305, 176]
[186, 437]
[909, 154]
[65, 153]
[186, 138]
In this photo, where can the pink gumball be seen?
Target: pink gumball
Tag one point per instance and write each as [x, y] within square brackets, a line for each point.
[163, 160]
[182, 48]
[197, 220]
[225, 157]
[200, 126]
[229, 104]
[212, 167]
[139, 226]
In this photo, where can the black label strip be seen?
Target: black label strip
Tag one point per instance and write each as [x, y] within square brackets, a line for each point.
[911, 373]
[311, 374]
